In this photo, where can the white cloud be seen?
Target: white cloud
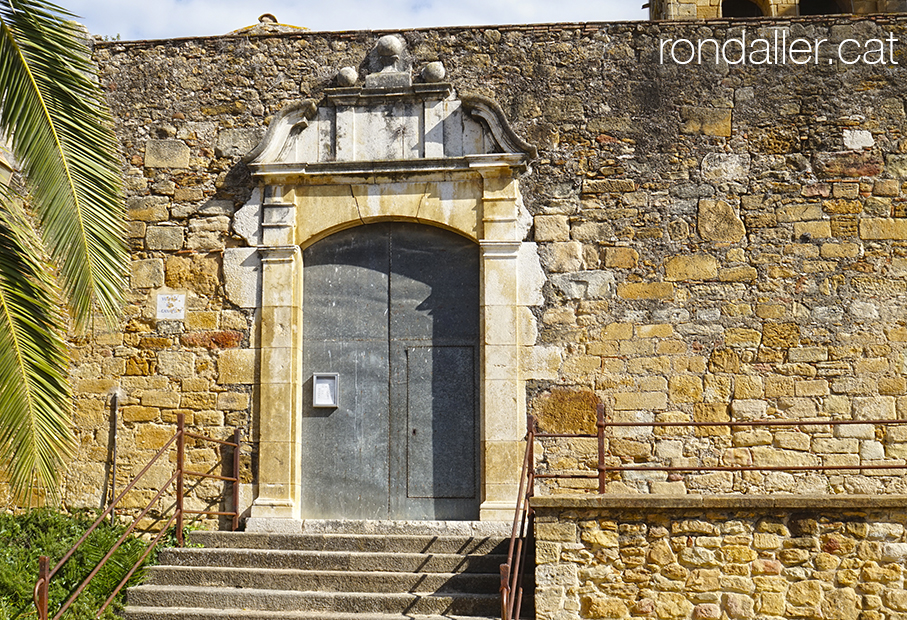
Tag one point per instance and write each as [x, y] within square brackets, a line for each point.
[164, 19]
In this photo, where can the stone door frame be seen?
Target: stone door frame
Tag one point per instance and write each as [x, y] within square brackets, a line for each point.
[477, 197]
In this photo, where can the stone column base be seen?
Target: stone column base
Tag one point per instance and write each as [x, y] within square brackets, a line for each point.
[270, 525]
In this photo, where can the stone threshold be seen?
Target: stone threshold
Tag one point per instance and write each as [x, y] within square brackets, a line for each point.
[719, 502]
[474, 529]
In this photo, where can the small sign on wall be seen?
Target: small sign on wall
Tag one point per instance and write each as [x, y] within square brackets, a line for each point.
[171, 306]
[325, 389]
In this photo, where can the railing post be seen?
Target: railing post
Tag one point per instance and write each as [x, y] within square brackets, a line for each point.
[600, 424]
[236, 437]
[180, 469]
[532, 423]
[41, 588]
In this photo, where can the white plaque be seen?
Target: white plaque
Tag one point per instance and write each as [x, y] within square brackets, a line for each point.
[171, 306]
[325, 389]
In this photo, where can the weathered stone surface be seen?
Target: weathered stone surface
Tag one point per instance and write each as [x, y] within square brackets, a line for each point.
[780, 335]
[640, 400]
[621, 258]
[247, 220]
[166, 154]
[585, 284]
[883, 228]
[176, 363]
[718, 221]
[796, 315]
[738, 606]
[685, 389]
[846, 164]
[603, 607]
[212, 339]
[562, 256]
[148, 208]
[237, 366]
[552, 228]
[197, 272]
[805, 593]
[726, 166]
[567, 411]
[652, 290]
[242, 276]
[147, 273]
[707, 121]
[604, 186]
[164, 238]
[693, 267]
[711, 412]
[237, 142]
[671, 606]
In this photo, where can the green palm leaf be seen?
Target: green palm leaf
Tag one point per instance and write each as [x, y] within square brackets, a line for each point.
[65, 244]
[59, 126]
[34, 396]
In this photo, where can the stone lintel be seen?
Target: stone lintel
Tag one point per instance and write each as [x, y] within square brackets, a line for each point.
[278, 254]
[495, 164]
[289, 173]
[622, 503]
[500, 163]
[506, 249]
[370, 96]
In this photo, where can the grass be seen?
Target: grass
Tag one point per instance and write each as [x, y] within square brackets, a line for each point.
[24, 537]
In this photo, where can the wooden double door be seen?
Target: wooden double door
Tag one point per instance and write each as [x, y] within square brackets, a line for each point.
[393, 309]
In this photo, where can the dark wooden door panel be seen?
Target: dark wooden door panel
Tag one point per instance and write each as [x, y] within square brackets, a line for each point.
[393, 309]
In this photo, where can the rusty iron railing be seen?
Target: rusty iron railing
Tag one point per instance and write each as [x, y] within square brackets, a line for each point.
[512, 573]
[46, 573]
[521, 536]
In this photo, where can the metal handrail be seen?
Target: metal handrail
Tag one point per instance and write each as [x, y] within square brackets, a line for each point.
[521, 535]
[46, 573]
[522, 532]
[602, 469]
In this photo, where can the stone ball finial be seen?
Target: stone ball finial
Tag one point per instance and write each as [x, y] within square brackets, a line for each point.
[267, 18]
[389, 46]
[347, 76]
[433, 72]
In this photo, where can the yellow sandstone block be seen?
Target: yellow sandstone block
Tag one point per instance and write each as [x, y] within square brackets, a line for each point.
[646, 290]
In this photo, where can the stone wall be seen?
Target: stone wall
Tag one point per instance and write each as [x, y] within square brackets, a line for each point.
[764, 558]
[717, 240]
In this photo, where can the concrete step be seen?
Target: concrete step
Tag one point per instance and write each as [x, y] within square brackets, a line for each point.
[470, 529]
[291, 601]
[323, 581]
[330, 570]
[333, 560]
[388, 543]
[184, 613]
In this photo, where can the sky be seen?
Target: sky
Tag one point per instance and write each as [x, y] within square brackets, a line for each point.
[166, 19]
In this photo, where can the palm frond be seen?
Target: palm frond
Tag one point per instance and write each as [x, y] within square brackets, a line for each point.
[57, 120]
[35, 435]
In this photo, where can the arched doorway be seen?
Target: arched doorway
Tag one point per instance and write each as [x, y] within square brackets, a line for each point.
[393, 309]
[381, 154]
[740, 8]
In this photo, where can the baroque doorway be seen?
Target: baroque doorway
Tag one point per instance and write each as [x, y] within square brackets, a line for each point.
[431, 420]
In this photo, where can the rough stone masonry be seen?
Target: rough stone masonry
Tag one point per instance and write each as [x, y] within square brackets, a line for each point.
[718, 242]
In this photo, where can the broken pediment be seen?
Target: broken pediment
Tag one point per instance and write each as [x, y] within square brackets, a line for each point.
[387, 123]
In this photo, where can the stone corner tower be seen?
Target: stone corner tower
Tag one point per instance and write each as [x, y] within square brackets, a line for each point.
[710, 9]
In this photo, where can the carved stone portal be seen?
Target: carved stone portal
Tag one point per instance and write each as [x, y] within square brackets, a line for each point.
[391, 150]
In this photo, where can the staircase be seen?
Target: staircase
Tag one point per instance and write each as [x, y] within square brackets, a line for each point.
[334, 570]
